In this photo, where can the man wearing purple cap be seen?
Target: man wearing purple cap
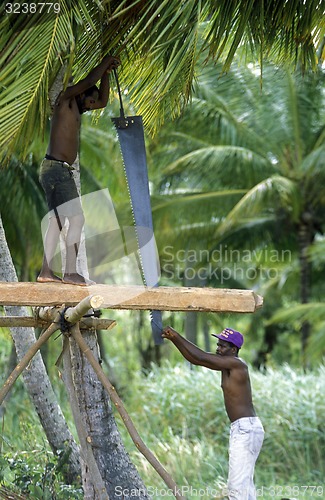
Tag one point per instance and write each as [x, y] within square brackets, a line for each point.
[246, 431]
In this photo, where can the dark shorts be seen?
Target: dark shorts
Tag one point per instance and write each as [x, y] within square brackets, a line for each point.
[60, 188]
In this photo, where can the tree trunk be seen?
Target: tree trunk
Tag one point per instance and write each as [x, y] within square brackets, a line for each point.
[305, 238]
[206, 333]
[192, 279]
[35, 377]
[103, 454]
[113, 462]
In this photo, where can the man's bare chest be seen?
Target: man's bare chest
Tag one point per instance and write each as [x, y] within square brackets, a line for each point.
[67, 116]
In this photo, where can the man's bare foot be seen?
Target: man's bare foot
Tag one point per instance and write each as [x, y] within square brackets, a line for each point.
[51, 278]
[74, 279]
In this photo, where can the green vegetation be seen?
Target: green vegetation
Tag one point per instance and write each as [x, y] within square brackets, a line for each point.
[179, 413]
[234, 204]
[36, 473]
[238, 198]
[184, 407]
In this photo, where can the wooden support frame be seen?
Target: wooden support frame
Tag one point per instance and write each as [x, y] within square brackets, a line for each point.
[73, 316]
[32, 322]
[77, 300]
[132, 297]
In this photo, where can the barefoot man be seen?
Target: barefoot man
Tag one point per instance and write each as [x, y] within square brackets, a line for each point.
[56, 172]
[246, 430]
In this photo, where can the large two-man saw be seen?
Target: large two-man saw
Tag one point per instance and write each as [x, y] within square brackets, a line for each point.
[131, 138]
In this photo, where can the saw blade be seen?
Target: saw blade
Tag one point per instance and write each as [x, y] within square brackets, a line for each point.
[132, 144]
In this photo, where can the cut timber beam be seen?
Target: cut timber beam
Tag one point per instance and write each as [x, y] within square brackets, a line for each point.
[132, 297]
[29, 321]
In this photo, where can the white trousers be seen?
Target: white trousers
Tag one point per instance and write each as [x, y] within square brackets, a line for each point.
[245, 443]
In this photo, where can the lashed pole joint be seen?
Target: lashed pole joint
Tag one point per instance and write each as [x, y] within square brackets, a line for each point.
[29, 356]
[72, 317]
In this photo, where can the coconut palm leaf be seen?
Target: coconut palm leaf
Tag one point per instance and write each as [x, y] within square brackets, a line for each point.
[276, 191]
[29, 57]
[313, 312]
[267, 28]
[193, 197]
[159, 43]
[215, 162]
[316, 253]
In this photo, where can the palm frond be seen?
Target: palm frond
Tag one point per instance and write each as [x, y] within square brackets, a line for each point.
[283, 31]
[313, 312]
[267, 195]
[161, 75]
[173, 201]
[27, 79]
[316, 253]
[313, 164]
[221, 165]
[159, 42]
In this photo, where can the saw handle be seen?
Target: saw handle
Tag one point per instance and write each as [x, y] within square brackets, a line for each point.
[119, 94]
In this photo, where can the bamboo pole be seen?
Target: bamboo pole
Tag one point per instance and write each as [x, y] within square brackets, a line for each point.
[75, 332]
[86, 449]
[6, 494]
[30, 321]
[74, 314]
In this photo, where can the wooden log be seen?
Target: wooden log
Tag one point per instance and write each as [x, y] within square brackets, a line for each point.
[29, 321]
[132, 297]
[74, 314]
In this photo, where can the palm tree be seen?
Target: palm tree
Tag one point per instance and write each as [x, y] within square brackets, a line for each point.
[36, 378]
[158, 42]
[292, 195]
[270, 145]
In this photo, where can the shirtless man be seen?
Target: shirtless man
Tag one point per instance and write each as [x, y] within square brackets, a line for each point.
[56, 173]
[246, 430]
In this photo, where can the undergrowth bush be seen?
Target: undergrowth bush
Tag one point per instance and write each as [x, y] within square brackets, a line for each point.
[36, 474]
[179, 413]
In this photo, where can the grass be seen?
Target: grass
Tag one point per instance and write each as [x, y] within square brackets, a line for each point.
[179, 413]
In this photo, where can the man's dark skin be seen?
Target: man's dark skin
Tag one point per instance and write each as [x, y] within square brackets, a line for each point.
[66, 120]
[235, 381]
[64, 146]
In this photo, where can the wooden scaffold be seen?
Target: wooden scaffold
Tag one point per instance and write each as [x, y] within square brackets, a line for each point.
[65, 308]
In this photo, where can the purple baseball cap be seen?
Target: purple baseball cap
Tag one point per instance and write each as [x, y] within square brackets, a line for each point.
[230, 335]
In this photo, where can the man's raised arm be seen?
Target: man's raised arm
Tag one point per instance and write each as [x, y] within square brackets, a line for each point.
[197, 356]
[100, 72]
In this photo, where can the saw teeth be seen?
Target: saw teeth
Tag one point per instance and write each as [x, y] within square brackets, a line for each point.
[133, 215]
[156, 329]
